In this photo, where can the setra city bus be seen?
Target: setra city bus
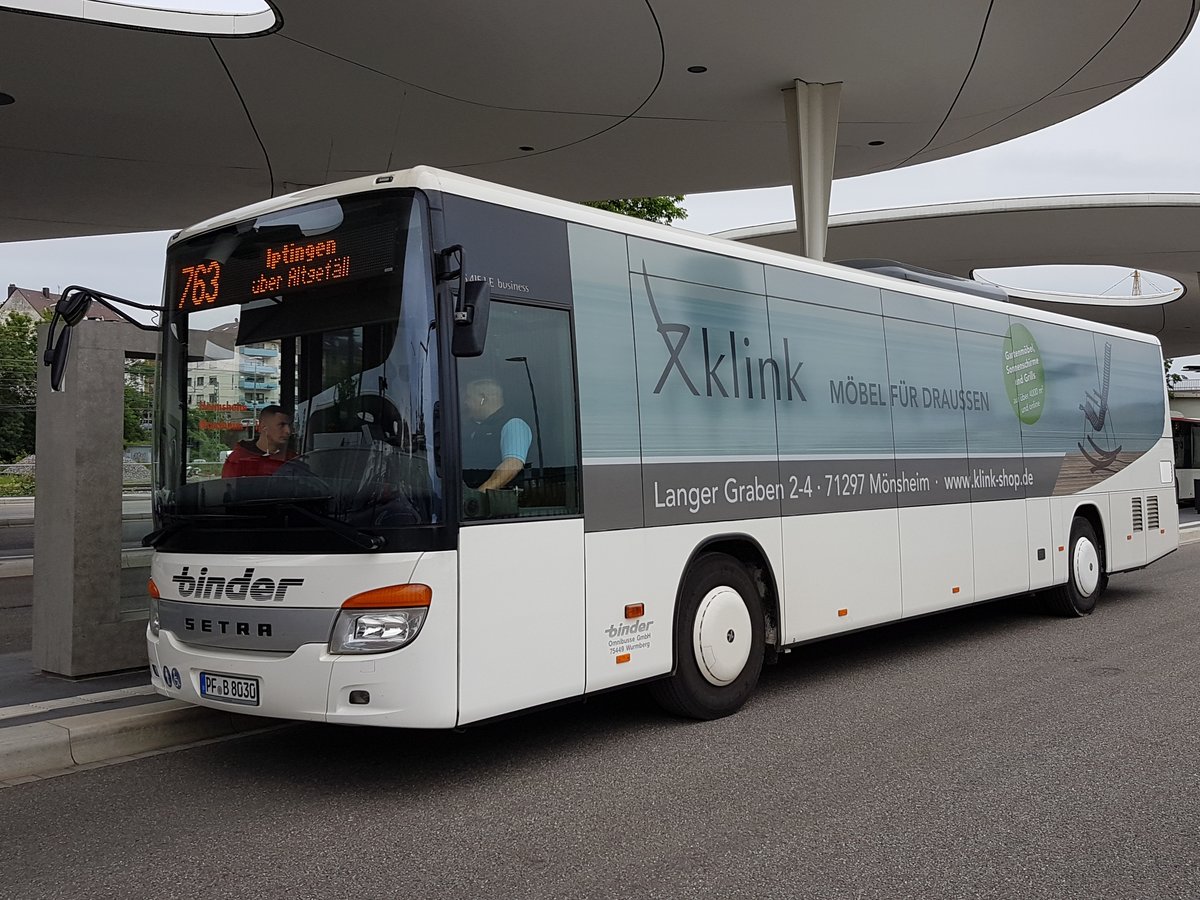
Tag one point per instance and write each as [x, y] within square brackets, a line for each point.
[722, 452]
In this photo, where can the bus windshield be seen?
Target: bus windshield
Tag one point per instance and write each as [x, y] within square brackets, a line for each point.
[299, 383]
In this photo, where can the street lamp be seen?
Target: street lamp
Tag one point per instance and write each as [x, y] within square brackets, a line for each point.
[537, 424]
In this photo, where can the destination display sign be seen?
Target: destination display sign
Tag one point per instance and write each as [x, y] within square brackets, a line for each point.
[259, 269]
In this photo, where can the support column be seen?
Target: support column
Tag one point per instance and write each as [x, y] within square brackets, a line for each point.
[812, 121]
[89, 599]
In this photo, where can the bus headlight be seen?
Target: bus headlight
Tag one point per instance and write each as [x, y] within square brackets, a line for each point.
[380, 620]
[154, 619]
[155, 623]
[375, 631]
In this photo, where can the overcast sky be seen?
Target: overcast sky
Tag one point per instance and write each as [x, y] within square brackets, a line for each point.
[1142, 141]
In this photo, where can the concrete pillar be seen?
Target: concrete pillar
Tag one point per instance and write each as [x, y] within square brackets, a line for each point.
[812, 113]
[80, 624]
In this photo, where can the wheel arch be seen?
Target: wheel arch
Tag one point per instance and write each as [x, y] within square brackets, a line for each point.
[1091, 513]
[749, 552]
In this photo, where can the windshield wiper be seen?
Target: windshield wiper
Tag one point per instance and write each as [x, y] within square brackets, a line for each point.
[336, 526]
[154, 538]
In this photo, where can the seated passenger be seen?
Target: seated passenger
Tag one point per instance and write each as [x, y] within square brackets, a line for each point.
[268, 451]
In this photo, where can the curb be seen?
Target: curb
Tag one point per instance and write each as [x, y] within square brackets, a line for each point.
[16, 566]
[19, 566]
[59, 746]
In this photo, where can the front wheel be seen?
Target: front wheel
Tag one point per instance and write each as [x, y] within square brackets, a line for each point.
[719, 643]
[1085, 576]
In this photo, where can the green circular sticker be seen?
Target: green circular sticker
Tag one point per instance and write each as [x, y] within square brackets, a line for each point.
[1024, 377]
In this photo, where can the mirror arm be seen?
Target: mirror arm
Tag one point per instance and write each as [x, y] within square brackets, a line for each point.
[454, 268]
[70, 310]
[76, 299]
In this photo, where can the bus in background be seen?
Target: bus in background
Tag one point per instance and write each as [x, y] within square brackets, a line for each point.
[540, 451]
[1186, 437]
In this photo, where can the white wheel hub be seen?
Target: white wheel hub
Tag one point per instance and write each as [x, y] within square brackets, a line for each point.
[722, 635]
[1085, 564]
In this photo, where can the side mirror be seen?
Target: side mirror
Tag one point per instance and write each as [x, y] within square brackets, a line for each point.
[470, 324]
[70, 309]
[56, 357]
[72, 306]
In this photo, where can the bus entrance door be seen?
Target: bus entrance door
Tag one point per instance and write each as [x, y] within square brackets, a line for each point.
[520, 563]
[521, 616]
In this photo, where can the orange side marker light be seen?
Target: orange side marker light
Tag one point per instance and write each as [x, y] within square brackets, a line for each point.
[623, 658]
[843, 612]
[955, 590]
[1061, 549]
[635, 610]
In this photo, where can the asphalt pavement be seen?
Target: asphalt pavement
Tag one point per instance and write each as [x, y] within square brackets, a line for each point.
[992, 752]
[50, 726]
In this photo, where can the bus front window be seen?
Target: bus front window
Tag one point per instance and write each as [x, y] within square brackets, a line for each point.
[303, 420]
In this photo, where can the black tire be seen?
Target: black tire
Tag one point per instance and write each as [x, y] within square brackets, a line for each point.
[710, 684]
[1085, 573]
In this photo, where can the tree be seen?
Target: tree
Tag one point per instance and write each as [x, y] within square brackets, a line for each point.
[1173, 378]
[204, 443]
[18, 386]
[139, 399]
[664, 210]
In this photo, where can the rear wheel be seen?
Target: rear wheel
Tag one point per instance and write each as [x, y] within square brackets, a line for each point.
[1085, 573]
[718, 641]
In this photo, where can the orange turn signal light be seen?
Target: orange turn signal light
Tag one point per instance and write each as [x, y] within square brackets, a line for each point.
[394, 596]
[152, 589]
[635, 610]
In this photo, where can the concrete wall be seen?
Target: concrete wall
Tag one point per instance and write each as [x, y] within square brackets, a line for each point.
[80, 625]
[1186, 404]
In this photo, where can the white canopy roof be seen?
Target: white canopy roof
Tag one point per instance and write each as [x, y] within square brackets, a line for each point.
[117, 128]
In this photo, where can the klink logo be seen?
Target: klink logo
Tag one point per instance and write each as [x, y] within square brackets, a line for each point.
[716, 376]
[1095, 410]
[215, 587]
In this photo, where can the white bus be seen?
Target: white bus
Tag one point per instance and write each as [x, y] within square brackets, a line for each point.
[711, 453]
[1186, 433]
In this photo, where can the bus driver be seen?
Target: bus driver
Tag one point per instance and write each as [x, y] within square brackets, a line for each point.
[494, 445]
[267, 452]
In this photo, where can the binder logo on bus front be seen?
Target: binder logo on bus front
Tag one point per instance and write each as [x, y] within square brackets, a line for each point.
[727, 382]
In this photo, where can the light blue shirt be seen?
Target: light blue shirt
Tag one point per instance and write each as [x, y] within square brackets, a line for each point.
[515, 437]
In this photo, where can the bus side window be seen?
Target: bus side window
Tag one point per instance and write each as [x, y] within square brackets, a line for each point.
[517, 406]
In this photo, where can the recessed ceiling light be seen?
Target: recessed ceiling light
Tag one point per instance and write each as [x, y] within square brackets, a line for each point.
[6, 99]
[696, 70]
[874, 143]
[526, 149]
